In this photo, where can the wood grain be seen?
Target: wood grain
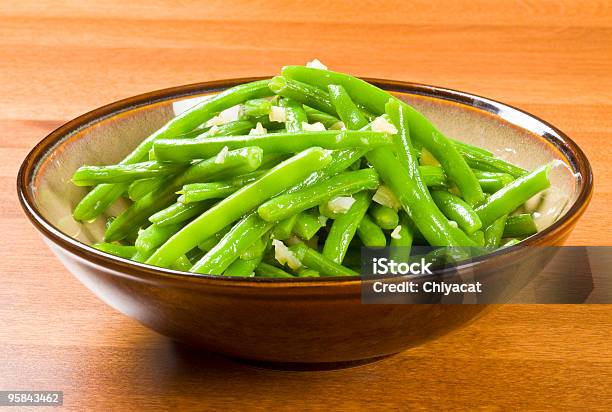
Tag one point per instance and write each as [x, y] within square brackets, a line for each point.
[61, 59]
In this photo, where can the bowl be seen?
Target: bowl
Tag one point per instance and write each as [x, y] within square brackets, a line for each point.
[311, 322]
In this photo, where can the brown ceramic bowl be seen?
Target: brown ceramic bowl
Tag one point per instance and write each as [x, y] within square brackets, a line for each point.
[301, 321]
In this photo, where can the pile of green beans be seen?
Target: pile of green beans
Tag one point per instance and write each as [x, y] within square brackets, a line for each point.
[289, 177]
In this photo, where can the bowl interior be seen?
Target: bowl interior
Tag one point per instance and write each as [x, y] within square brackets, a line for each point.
[509, 133]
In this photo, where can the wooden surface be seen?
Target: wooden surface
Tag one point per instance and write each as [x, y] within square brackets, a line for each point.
[552, 58]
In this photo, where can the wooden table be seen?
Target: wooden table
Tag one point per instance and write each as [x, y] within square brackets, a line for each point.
[552, 58]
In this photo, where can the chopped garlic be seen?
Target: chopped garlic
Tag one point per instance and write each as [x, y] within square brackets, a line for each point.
[316, 64]
[228, 115]
[322, 220]
[380, 124]
[284, 256]
[384, 196]
[221, 156]
[259, 129]
[396, 232]
[213, 130]
[340, 204]
[338, 126]
[315, 127]
[453, 224]
[278, 114]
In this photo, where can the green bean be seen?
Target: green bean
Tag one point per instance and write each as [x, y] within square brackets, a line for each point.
[510, 242]
[92, 175]
[344, 227]
[328, 212]
[244, 233]
[463, 148]
[422, 210]
[478, 237]
[374, 99]
[238, 161]
[316, 116]
[370, 233]
[316, 261]
[155, 235]
[121, 251]
[295, 115]
[401, 240]
[178, 212]
[284, 228]
[384, 216]
[513, 195]
[285, 175]
[345, 183]
[520, 226]
[492, 164]
[432, 176]
[103, 196]
[348, 112]
[491, 182]
[241, 267]
[257, 249]
[182, 263]
[211, 241]
[267, 270]
[139, 188]
[342, 160]
[307, 225]
[98, 200]
[493, 233]
[256, 107]
[303, 93]
[185, 150]
[308, 273]
[456, 209]
[197, 192]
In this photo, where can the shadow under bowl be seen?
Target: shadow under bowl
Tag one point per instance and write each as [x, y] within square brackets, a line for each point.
[315, 321]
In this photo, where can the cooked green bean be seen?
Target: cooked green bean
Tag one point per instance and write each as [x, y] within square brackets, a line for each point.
[345, 183]
[374, 99]
[178, 212]
[211, 241]
[278, 179]
[433, 176]
[121, 251]
[348, 112]
[308, 273]
[456, 209]
[513, 195]
[307, 225]
[155, 235]
[284, 228]
[197, 192]
[289, 142]
[316, 261]
[242, 267]
[267, 270]
[422, 210]
[239, 161]
[370, 233]
[103, 196]
[478, 237]
[492, 164]
[401, 240]
[303, 93]
[520, 226]
[295, 115]
[122, 173]
[256, 107]
[493, 233]
[316, 116]
[139, 188]
[244, 234]
[344, 227]
[384, 216]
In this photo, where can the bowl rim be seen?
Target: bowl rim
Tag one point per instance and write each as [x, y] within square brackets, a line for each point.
[128, 268]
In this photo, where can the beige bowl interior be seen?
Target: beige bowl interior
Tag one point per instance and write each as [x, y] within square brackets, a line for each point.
[108, 140]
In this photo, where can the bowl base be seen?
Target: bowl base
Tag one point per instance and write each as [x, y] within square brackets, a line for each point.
[309, 366]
